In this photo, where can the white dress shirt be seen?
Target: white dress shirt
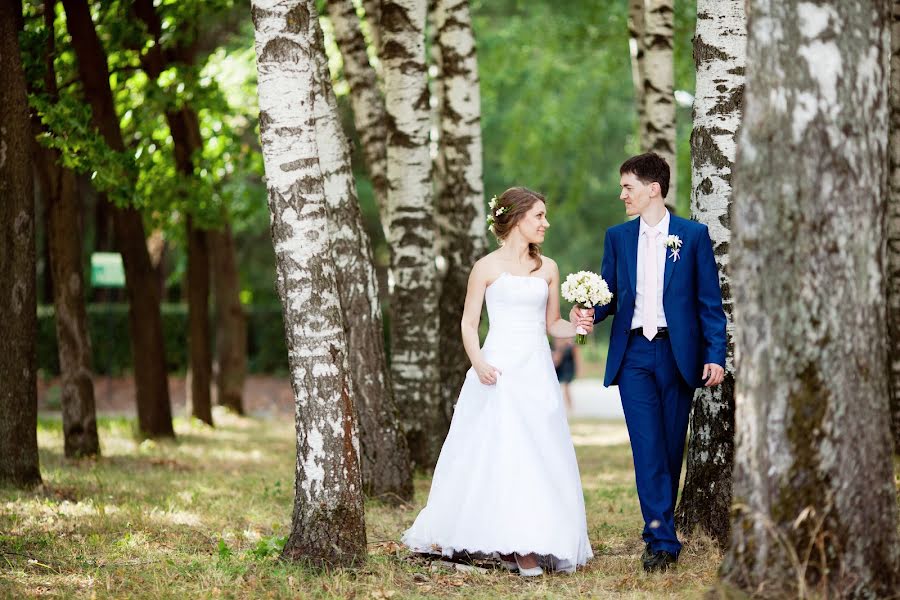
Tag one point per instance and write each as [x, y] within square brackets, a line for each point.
[663, 228]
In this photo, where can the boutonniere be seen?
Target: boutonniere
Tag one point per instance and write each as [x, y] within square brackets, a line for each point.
[673, 243]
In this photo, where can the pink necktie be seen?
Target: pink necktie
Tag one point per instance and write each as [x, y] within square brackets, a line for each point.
[649, 285]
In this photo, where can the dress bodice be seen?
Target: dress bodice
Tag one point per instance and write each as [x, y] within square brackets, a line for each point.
[517, 304]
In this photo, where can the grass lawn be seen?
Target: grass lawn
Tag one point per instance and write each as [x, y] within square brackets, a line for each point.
[206, 516]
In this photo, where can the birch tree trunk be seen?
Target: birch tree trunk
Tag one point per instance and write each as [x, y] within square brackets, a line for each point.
[719, 53]
[145, 322]
[816, 506]
[328, 526]
[18, 310]
[369, 114]
[659, 81]
[893, 230]
[410, 229]
[64, 235]
[460, 203]
[637, 51]
[385, 463]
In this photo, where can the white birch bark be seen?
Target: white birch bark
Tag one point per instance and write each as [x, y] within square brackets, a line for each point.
[659, 81]
[719, 53]
[636, 51]
[327, 525]
[410, 228]
[366, 99]
[384, 455]
[816, 505]
[892, 234]
[460, 203]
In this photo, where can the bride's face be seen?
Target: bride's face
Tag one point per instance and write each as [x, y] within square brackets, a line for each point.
[533, 224]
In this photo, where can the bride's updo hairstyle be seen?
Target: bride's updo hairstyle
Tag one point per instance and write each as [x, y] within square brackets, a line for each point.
[508, 209]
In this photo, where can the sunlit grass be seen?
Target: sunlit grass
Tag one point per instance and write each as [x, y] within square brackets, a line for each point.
[206, 516]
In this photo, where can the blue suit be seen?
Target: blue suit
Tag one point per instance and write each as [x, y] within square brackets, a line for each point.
[657, 378]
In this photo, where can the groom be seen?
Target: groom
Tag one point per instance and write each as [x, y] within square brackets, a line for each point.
[668, 338]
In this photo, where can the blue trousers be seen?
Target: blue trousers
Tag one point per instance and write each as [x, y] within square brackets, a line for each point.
[657, 404]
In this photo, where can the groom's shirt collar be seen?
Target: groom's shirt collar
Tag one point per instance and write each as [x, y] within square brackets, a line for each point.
[662, 227]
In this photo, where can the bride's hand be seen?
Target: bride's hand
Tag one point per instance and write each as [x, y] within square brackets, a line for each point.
[487, 374]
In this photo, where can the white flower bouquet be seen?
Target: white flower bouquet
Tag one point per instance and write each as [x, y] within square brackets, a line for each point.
[587, 290]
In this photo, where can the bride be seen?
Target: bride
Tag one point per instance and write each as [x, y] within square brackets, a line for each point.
[507, 481]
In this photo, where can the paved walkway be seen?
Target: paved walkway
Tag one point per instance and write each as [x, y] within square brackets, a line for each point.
[591, 400]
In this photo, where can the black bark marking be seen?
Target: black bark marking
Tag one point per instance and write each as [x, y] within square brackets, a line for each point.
[283, 50]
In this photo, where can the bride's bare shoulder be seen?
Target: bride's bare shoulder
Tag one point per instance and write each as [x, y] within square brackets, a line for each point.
[487, 268]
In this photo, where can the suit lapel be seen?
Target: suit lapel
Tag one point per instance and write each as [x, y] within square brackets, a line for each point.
[674, 229]
[631, 252]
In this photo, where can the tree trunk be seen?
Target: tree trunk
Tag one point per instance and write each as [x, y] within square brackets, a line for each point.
[460, 202]
[659, 80]
[719, 53]
[893, 230]
[145, 323]
[369, 115]
[47, 283]
[186, 139]
[816, 506]
[373, 20]
[199, 403]
[59, 188]
[385, 463]
[18, 309]
[231, 322]
[637, 52]
[410, 229]
[73, 338]
[328, 526]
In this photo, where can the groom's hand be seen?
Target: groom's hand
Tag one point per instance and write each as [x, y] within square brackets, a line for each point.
[713, 374]
[583, 317]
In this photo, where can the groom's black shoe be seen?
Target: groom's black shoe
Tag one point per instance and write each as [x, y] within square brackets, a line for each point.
[648, 553]
[660, 561]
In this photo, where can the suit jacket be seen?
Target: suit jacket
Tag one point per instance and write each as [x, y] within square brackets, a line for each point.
[692, 299]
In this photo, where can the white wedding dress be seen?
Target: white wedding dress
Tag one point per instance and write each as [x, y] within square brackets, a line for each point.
[507, 479]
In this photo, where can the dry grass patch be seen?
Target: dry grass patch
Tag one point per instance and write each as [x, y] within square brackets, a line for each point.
[206, 515]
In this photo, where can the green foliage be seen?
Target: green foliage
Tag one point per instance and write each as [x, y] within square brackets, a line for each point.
[223, 550]
[558, 111]
[557, 115]
[111, 344]
[267, 547]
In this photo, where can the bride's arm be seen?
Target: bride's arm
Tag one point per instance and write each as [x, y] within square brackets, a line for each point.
[471, 318]
[556, 325]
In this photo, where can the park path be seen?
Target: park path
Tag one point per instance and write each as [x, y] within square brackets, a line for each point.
[270, 396]
[591, 400]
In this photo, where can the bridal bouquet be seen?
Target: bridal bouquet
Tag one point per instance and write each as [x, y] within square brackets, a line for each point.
[587, 290]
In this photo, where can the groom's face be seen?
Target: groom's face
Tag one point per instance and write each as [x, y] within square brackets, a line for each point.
[635, 194]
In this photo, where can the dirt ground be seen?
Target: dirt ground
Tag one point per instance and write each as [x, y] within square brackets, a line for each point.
[264, 395]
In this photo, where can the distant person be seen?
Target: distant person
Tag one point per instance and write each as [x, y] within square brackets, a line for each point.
[565, 359]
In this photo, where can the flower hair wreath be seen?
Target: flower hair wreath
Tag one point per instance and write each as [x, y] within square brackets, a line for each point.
[494, 212]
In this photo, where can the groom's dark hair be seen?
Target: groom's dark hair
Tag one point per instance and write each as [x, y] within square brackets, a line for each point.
[648, 167]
